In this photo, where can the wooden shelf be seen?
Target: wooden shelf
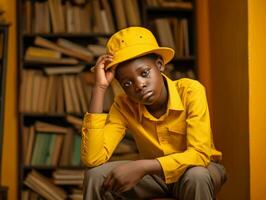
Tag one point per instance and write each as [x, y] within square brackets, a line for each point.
[168, 9]
[43, 63]
[52, 115]
[52, 167]
[28, 119]
[65, 35]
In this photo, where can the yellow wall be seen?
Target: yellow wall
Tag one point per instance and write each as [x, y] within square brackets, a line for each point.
[257, 97]
[228, 26]
[9, 168]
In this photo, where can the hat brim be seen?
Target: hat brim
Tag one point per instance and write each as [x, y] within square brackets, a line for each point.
[125, 54]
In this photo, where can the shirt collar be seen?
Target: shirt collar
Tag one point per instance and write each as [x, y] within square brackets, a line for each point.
[174, 102]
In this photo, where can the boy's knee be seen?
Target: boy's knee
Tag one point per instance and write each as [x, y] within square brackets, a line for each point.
[95, 175]
[197, 175]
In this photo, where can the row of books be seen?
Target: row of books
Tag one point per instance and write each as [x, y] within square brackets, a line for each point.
[41, 187]
[41, 93]
[44, 187]
[63, 51]
[170, 3]
[95, 16]
[175, 74]
[46, 144]
[174, 33]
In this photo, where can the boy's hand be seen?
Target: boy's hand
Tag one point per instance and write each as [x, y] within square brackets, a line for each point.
[124, 177]
[103, 77]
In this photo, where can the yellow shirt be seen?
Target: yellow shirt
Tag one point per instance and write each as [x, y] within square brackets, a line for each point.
[180, 138]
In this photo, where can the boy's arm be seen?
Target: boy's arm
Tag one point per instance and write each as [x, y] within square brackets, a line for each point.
[101, 132]
[125, 176]
[198, 136]
[102, 81]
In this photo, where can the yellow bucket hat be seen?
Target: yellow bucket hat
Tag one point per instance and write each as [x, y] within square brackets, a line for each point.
[133, 42]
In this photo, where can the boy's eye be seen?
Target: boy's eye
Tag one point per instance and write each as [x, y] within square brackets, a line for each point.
[127, 83]
[145, 73]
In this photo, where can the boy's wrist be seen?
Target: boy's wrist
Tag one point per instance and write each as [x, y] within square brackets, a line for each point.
[151, 166]
[99, 88]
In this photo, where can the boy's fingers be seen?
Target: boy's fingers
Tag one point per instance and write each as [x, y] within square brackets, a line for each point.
[111, 184]
[116, 187]
[122, 189]
[104, 59]
[107, 180]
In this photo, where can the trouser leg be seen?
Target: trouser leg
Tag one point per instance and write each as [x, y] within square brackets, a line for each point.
[200, 183]
[148, 187]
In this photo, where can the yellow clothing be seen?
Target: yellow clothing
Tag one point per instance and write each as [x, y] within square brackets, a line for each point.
[180, 138]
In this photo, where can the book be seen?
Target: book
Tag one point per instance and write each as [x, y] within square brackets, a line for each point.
[74, 120]
[164, 31]
[60, 103]
[83, 53]
[41, 148]
[109, 15]
[25, 139]
[76, 69]
[67, 51]
[29, 147]
[36, 91]
[132, 13]
[184, 24]
[65, 158]
[75, 160]
[42, 95]
[120, 14]
[97, 49]
[28, 91]
[70, 61]
[49, 92]
[47, 127]
[81, 94]
[57, 16]
[175, 4]
[23, 90]
[55, 157]
[27, 8]
[42, 53]
[67, 95]
[88, 78]
[68, 177]
[44, 186]
[98, 25]
[74, 94]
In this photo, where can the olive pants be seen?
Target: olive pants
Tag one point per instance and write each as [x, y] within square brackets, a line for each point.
[197, 183]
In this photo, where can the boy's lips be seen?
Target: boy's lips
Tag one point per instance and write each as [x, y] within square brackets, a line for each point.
[146, 95]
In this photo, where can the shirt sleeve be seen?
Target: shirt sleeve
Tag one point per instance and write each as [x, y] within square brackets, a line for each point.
[198, 137]
[100, 135]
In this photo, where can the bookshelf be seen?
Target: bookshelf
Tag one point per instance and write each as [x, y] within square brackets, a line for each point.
[55, 90]
[3, 68]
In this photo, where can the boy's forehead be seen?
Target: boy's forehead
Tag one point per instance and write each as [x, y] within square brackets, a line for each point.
[132, 65]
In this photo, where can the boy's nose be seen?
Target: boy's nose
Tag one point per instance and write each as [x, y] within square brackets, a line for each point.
[139, 86]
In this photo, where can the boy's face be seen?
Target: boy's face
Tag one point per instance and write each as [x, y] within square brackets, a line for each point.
[141, 79]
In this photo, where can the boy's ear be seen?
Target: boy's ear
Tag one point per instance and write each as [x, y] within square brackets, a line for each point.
[159, 64]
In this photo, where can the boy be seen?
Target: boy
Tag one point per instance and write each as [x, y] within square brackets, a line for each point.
[169, 120]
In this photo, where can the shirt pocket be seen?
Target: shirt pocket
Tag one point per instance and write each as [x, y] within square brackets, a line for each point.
[177, 134]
